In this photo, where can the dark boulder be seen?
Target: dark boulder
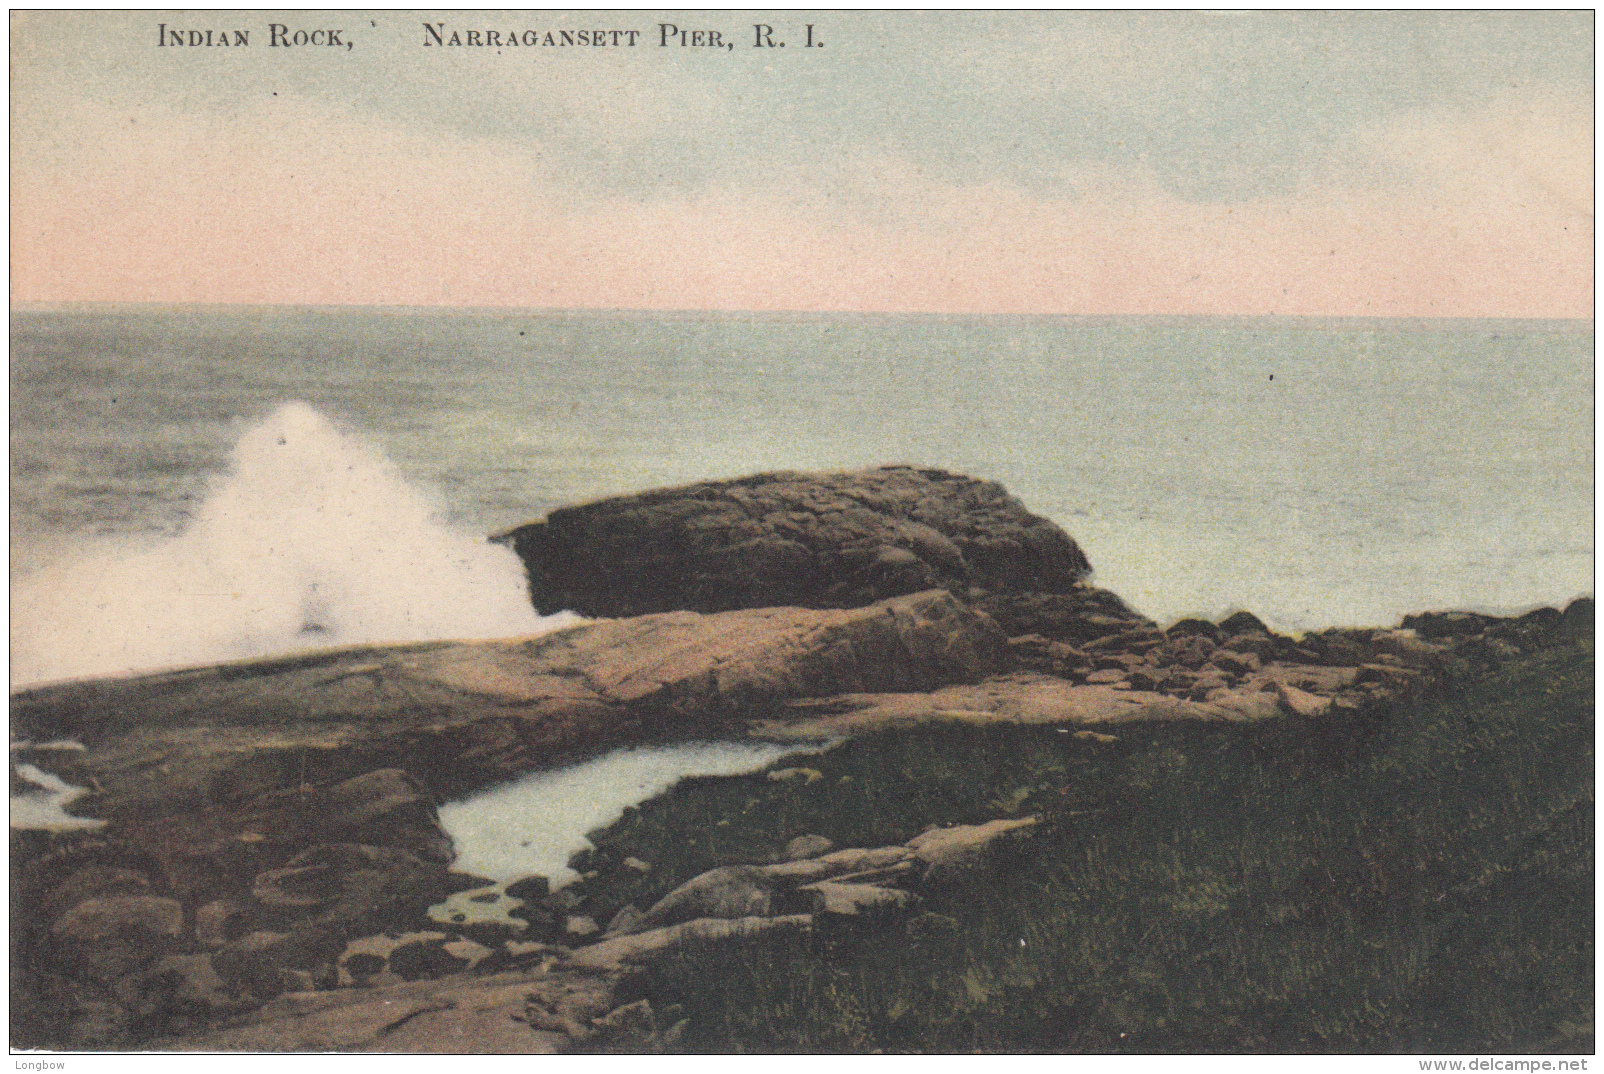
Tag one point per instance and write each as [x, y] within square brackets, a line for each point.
[90, 882]
[807, 846]
[1242, 623]
[1186, 650]
[1448, 624]
[221, 921]
[1579, 610]
[1234, 663]
[1077, 616]
[1190, 628]
[824, 540]
[256, 959]
[1576, 621]
[353, 889]
[1033, 652]
[105, 937]
[1135, 640]
[1542, 619]
[427, 956]
[1337, 647]
[731, 891]
[1260, 645]
[530, 888]
[189, 986]
[386, 807]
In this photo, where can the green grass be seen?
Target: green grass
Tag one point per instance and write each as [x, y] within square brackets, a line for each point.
[1416, 879]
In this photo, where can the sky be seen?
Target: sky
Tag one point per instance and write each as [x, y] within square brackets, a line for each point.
[1401, 163]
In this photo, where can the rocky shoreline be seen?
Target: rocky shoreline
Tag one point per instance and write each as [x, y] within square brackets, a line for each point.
[271, 874]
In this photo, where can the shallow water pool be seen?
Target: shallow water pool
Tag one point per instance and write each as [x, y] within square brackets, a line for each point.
[46, 808]
[533, 826]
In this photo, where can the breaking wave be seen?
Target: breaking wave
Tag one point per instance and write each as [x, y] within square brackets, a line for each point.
[311, 539]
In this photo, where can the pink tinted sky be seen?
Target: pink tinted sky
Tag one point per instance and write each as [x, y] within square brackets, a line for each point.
[963, 183]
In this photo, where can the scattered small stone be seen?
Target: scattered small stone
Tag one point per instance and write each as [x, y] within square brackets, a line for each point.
[93, 881]
[627, 920]
[1187, 628]
[521, 951]
[112, 935]
[807, 846]
[795, 775]
[854, 900]
[580, 926]
[529, 888]
[430, 957]
[947, 850]
[298, 980]
[1447, 624]
[633, 1019]
[1143, 680]
[1242, 623]
[1302, 703]
[467, 952]
[1234, 662]
[1387, 675]
[930, 924]
[219, 922]
[1261, 646]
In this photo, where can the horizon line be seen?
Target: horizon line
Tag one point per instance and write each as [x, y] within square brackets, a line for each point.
[569, 311]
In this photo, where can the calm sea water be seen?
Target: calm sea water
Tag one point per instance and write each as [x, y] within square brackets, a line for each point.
[191, 484]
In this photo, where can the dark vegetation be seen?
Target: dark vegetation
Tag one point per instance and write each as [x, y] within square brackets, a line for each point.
[1419, 878]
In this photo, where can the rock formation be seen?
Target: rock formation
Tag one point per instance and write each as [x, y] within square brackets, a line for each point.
[272, 875]
[831, 540]
[244, 744]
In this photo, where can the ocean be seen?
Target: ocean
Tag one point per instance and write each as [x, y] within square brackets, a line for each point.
[193, 484]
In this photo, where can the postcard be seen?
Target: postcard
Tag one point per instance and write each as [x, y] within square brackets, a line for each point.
[824, 532]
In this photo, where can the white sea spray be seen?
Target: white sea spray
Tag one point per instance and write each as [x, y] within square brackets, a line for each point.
[311, 539]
